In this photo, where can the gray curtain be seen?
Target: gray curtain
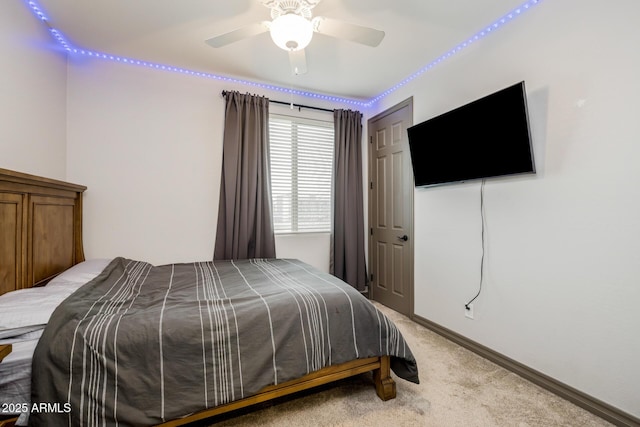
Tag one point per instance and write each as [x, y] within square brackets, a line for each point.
[348, 237]
[245, 221]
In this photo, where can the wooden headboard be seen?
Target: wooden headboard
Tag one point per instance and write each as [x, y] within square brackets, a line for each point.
[40, 229]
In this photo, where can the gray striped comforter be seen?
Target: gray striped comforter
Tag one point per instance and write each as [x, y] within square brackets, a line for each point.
[140, 344]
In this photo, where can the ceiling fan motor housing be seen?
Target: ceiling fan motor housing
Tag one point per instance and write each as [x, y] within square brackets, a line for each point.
[283, 7]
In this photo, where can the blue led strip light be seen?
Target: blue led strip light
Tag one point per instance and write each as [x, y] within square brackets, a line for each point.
[60, 39]
[471, 40]
[57, 35]
[161, 67]
[37, 11]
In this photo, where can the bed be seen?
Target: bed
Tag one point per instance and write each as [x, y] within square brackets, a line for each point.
[114, 325]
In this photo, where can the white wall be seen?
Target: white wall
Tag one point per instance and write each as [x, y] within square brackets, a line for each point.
[563, 247]
[32, 95]
[148, 145]
[312, 248]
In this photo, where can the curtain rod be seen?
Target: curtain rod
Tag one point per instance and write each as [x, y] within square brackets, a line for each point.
[299, 106]
[291, 104]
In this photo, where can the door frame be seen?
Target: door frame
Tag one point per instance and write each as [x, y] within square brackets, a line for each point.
[407, 103]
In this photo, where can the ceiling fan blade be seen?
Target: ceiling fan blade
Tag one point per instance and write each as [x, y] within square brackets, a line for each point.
[344, 30]
[239, 34]
[298, 60]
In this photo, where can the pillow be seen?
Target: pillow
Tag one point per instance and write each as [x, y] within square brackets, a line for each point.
[27, 308]
[82, 273]
[12, 336]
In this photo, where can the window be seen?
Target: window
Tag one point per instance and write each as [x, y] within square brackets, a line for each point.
[301, 174]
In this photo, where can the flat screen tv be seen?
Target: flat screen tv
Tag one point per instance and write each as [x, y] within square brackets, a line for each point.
[488, 137]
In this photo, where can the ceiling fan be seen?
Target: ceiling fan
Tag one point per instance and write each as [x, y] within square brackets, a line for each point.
[292, 28]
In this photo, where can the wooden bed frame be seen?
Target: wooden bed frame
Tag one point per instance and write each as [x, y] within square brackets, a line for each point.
[40, 229]
[41, 236]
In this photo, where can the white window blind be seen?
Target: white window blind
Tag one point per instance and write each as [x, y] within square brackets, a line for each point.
[301, 173]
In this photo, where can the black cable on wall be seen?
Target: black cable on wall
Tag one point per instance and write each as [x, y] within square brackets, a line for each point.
[482, 242]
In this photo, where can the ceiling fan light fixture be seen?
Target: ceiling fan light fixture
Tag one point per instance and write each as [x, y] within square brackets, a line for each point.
[291, 32]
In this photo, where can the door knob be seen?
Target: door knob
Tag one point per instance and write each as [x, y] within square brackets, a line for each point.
[403, 238]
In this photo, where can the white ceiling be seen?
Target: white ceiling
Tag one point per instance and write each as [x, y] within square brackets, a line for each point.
[172, 32]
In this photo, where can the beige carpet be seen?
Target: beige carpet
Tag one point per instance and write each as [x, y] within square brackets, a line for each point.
[458, 388]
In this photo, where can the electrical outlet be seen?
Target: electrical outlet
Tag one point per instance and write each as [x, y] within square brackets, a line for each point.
[468, 311]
